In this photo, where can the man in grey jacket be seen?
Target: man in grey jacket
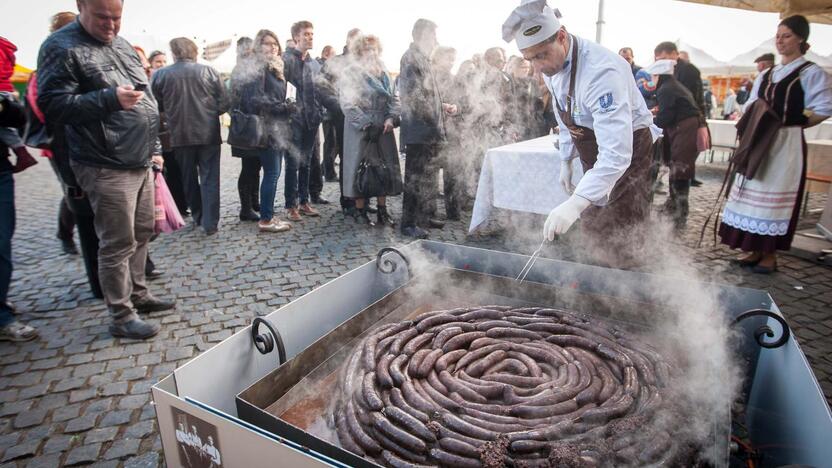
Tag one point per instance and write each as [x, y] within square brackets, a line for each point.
[91, 81]
[193, 97]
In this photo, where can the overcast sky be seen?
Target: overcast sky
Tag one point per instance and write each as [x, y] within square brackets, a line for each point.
[469, 26]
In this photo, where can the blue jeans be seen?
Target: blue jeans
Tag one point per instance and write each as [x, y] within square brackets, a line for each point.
[297, 166]
[270, 159]
[7, 220]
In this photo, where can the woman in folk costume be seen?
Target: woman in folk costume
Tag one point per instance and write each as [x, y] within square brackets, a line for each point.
[761, 214]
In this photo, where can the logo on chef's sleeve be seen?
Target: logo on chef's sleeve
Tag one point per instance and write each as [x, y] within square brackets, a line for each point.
[607, 103]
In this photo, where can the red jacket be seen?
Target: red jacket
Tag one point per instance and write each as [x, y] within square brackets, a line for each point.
[7, 50]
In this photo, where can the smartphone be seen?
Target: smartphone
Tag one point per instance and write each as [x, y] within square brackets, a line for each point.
[140, 87]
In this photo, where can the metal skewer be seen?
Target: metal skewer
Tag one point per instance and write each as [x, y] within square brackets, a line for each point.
[528, 267]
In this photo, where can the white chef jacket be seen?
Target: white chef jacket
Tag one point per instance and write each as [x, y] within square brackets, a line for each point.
[608, 101]
[816, 84]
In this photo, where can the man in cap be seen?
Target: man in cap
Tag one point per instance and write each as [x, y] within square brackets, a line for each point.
[603, 121]
[764, 62]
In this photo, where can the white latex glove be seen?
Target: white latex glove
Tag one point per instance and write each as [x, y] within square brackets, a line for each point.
[564, 216]
[566, 176]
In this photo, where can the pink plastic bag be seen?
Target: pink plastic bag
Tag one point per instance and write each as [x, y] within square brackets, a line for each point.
[168, 218]
[703, 139]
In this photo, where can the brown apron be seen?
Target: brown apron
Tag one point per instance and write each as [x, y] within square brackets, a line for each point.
[681, 140]
[629, 202]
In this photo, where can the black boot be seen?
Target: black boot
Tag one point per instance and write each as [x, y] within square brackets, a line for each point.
[669, 206]
[361, 217]
[680, 216]
[383, 217]
[246, 213]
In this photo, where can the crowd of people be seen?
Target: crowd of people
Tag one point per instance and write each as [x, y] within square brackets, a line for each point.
[115, 115]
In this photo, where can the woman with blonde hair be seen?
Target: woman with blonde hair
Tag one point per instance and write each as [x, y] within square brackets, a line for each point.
[371, 112]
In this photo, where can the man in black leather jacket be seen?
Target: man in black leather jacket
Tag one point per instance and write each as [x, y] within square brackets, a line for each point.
[193, 97]
[92, 82]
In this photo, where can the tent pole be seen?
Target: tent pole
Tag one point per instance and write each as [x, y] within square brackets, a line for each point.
[599, 26]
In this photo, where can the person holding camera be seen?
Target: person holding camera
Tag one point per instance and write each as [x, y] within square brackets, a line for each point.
[92, 82]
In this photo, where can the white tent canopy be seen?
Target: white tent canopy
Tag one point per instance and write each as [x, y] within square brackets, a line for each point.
[744, 63]
[706, 63]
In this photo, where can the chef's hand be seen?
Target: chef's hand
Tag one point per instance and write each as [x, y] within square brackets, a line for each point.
[564, 216]
[388, 126]
[566, 176]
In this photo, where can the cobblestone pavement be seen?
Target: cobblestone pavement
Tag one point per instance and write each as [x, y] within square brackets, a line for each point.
[78, 396]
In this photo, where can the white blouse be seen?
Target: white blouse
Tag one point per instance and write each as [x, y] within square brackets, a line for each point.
[816, 84]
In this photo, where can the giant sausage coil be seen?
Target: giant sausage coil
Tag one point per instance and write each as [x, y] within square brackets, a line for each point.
[500, 386]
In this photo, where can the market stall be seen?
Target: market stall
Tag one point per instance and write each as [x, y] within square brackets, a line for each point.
[232, 392]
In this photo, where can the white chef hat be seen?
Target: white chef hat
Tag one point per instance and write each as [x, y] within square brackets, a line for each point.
[531, 23]
[661, 67]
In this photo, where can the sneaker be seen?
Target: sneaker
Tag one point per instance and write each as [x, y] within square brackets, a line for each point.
[136, 328]
[17, 331]
[275, 225]
[151, 304]
[293, 214]
[306, 210]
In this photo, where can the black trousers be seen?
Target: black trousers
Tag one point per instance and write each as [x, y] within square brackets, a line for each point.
[248, 183]
[338, 122]
[451, 186]
[316, 175]
[200, 166]
[173, 177]
[331, 149]
[419, 184]
[66, 219]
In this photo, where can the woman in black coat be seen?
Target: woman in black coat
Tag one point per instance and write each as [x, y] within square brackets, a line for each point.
[259, 88]
[248, 183]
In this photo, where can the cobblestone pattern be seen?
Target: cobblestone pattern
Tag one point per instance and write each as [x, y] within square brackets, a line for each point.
[78, 396]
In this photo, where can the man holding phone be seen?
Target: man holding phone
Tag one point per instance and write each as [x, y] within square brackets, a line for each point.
[92, 82]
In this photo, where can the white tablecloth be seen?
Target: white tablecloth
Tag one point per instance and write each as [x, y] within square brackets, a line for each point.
[521, 177]
[819, 161]
[724, 132]
[819, 132]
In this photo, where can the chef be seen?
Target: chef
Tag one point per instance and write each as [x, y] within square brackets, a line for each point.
[603, 121]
